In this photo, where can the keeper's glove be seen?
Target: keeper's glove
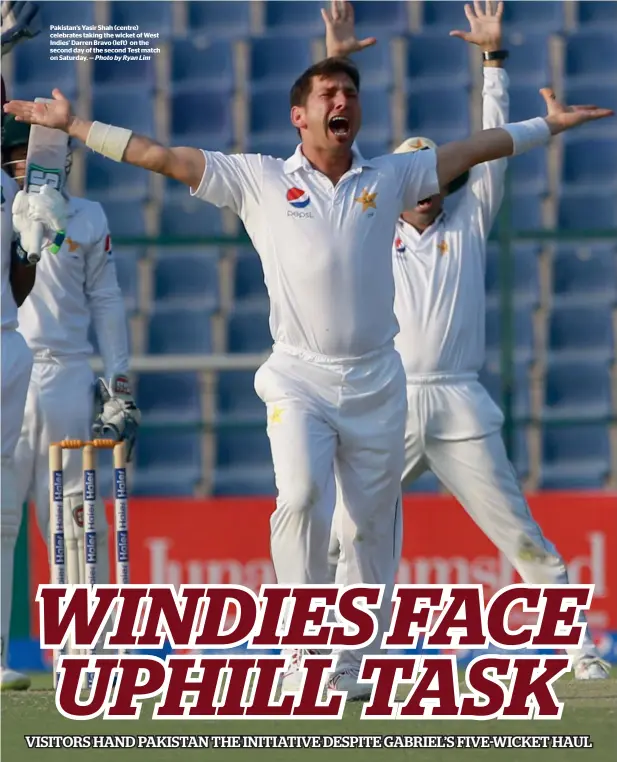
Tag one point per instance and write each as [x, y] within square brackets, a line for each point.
[20, 21]
[116, 415]
[48, 207]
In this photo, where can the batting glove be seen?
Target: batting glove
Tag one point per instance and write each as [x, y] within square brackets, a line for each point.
[116, 414]
[48, 207]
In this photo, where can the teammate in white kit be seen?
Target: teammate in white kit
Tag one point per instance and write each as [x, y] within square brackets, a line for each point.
[323, 222]
[74, 287]
[453, 425]
[19, 211]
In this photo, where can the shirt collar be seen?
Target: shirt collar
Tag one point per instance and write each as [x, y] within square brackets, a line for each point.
[299, 161]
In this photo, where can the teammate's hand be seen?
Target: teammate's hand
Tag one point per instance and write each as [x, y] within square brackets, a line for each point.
[485, 25]
[48, 207]
[116, 415]
[58, 114]
[561, 117]
[340, 33]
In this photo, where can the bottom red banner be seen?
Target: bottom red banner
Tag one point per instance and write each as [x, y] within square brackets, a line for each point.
[218, 541]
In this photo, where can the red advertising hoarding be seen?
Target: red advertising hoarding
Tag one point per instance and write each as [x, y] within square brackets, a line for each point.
[227, 541]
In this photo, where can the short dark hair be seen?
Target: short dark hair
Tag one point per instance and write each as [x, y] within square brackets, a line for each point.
[329, 67]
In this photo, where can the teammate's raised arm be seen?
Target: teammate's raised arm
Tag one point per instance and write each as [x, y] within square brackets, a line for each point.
[518, 137]
[183, 163]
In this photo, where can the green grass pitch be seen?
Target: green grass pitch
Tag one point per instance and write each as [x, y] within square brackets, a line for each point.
[590, 709]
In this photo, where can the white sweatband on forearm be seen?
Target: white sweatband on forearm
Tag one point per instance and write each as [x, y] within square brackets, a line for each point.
[528, 135]
[108, 140]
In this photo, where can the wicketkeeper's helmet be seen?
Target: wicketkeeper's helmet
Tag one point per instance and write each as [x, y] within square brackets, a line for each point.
[422, 144]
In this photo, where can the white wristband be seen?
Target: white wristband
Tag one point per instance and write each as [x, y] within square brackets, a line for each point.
[529, 134]
[108, 140]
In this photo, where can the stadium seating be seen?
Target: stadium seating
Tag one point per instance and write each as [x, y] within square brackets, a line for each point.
[220, 19]
[206, 64]
[180, 331]
[586, 274]
[265, 61]
[575, 457]
[526, 282]
[416, 80]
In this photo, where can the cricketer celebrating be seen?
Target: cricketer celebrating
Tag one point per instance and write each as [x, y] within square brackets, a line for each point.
[75, 286]
[323, 222]
[20, 211]
[453, 426]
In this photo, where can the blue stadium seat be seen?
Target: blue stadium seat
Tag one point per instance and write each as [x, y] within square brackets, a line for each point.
[447, 15]
[66, 13]
[180, 331]
[267, 53]
[167, 463]
[428, 483]
[207, 64]
[434, 60]
[376, 65]
[529, 62]
[220, 19]
[188, 278]
[106, 178]
[126, 260]
[582, 328]
[190, 217]
[591, 57]
[249, 286]
[248, 330]
[525, 102]
[244, 464]
[379, 18]
[526, 279]
[591, 162]
[202, 119]
[169, 398]
[587, 209]
[600, 15]
[575, 457]
[540, 16]
[577, 389]
[523, 331]
[589, 273]
[441, 115]
[376, 116]
[526, 210]
[269, 124]
[236, 399]
[36, 76]
[125, 217]
[529, 172]
[492, 380]
[148, 16]
[136, 75]
[133, 110]
[293, 18]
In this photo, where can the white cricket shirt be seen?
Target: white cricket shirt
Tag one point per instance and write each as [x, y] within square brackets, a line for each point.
[8, 306]
[325, 249]
[439, 274]
[75, 286]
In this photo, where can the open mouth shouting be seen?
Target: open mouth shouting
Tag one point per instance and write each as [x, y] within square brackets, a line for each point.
[339, 126]
[424, 204]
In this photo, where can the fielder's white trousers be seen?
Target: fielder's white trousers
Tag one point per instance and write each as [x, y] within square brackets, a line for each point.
[15, 374]
[454, 430]
[58, 406]
[344, 420]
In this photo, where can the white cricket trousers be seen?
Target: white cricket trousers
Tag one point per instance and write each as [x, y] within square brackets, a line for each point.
[454, 430]
[15, 374]
[342, 419]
